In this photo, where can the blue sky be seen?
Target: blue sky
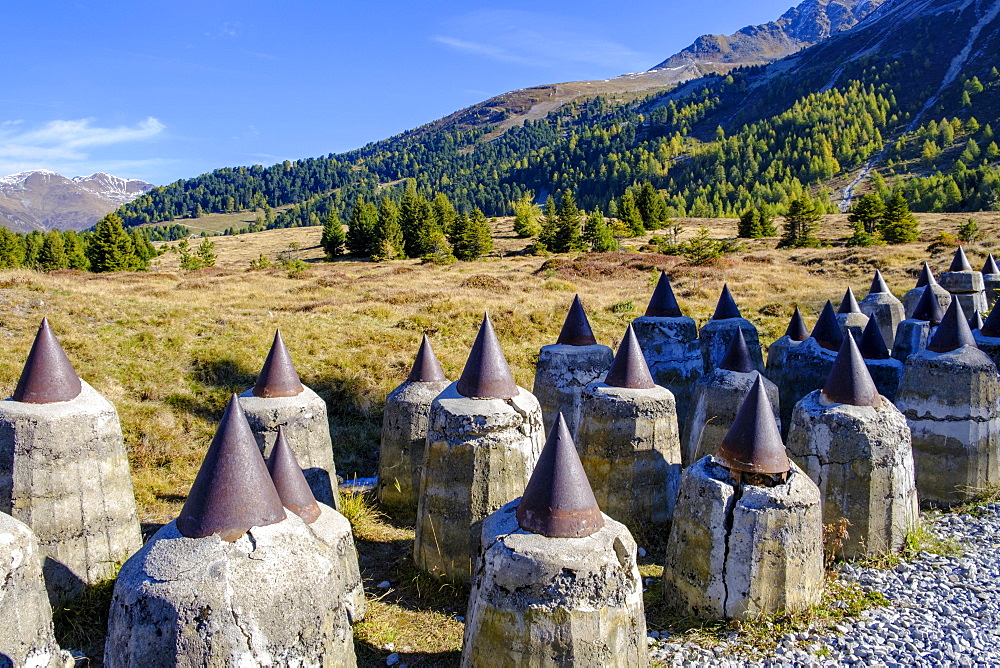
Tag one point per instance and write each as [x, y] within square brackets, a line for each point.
[163, 90]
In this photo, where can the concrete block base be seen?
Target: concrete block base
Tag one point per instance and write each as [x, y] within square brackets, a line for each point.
[560, 376]
[715, 336]
[719, 397]
[887, 311]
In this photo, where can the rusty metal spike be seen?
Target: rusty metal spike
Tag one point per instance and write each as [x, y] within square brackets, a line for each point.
[872, 345]
[629, 369]
[426, 368]
[558, 501]
[991, 266]
[278, 377]
[827, 330]
[576, 329]
[232, 492]
[878, 284]
[797, 330]
[953, 333]
[976, 321]
[47, 376]
[663, 304]
[289, 481]
[486, 374]
[738, 355]
[960, 262]
[753, 443]
[991, 327]
[849, 381]
[726, 308]
[849, 304]
[928, 308]
[926, 277]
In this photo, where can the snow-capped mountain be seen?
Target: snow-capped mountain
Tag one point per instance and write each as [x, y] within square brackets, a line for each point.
[43, 200]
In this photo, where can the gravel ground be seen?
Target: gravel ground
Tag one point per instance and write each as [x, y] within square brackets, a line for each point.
[945, 612]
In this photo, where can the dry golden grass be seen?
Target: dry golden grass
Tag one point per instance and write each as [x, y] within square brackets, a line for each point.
[169, 347]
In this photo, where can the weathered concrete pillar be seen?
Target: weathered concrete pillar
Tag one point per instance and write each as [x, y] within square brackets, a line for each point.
[795, 333]
[715, 336]
[26, 636]
[483, 438]
[950, 395]
[64, 471]
[849, 316]
[883, 307]
[747, 536]
[913, 333]
[279, 399]
[564, 368]
[991, 281]
[926, 279]
[233, 581]
[669, 343]
[988, 337]
[557, 582]
[965, 285]
[718, 398]
[808, 364]
[404, 432]
[885, 371]
[628, 441]
[855, 445]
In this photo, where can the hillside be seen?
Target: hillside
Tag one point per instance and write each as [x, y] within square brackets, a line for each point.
[43, 200]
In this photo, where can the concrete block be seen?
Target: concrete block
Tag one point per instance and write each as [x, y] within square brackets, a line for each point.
[911, 337]
[560, 376]
[718, 398]
[912, 298]
[988, 344]
[991, 283]
[776, 353]
[972, 302]
[886, 373]
[714, 340]
[854, 323]
[807, 367]
[887, 311]
[958, 282]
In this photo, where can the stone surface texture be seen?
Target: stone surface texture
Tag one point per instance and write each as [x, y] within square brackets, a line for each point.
[64, 473]
[737, 553]
[911, 337]
[776, 354]
[887, 311]
[861, 459]
[630, 448]
[717, 401]
[480, 454]
[404, 435]
[854, 323]
[26, 637]
[988, 344]
[807, 367]
[714, 340]
[307, 430]
[886, 374]
[912, 298]
[991, 282]
[952, 404]
[560, 376]
[539, 601]
[278, 596]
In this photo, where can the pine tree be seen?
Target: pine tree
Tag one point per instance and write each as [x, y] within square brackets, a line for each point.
[76, 258]
[53, 253]
[333, 239]
[749, 226]
[547, 236]
[444, 213]
[361, 229]
[33, 241]
[767, 228]
[898, 225]
[110, 247]
[652, 208]
[868, 212]
[598, 234]
[567, 237]
[417, 220]
[526, 217]
[628, 214]
[11, 249]
[801, 222]
[474, 238]
[390, 234]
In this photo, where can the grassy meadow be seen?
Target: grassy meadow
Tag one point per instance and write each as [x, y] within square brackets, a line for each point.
[169, 347]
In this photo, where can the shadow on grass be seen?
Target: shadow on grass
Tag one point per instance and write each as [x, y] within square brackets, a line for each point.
[369, 655]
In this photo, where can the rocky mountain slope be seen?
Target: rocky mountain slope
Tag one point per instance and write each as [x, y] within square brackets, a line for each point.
[44, 200]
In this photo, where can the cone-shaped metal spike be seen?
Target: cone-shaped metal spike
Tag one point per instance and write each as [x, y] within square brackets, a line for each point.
[976, 321]
[991, 266]
[576, 329]
[663, 304]
[991, 327]
[232, 492]
[293, 490]
[726, 308]
[849, 381]
[47, 376]
[426, 368]
[738, 355]
[629, 368]
[928, 308]
[278, 377]
[960, 262]
[878, 284]
[849, 304]
[797, 330]
[486, 374]
[753, 444]
[953, 333]
[926, 277]
[873, 343]
[558, 501]
[827, 330]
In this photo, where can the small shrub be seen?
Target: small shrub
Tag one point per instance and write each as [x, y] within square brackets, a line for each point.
[623, 307]
[557, 285]
[485, 282]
